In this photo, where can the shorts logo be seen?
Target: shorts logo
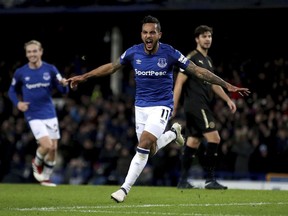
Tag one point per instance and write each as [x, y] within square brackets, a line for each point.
[212, 125]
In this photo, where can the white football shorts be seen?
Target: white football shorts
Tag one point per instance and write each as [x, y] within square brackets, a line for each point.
[151, 119]
[45, 127]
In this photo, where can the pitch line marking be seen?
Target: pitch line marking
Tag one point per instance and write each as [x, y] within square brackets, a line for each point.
[117, 206]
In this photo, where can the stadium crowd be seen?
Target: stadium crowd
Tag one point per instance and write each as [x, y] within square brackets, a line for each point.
[98, 138]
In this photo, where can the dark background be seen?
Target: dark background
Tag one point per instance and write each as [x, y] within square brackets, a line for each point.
[238, 33]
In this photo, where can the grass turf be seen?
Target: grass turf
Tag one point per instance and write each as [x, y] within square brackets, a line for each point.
[76, 200]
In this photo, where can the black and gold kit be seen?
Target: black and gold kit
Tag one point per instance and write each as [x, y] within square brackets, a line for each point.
[198, 96]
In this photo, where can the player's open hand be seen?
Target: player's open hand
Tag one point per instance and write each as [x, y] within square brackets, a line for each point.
[241, 91]
[74, 81]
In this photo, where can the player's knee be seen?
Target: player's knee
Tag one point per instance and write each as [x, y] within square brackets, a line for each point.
[147, 141]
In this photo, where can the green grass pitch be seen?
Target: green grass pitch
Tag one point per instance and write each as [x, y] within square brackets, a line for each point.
[79, 200]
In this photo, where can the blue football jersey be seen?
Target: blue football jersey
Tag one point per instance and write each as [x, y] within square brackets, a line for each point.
[154, 73]
[35, 86]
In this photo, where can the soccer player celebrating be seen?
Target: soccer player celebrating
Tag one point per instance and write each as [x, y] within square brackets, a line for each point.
[152, 63]
[37, 79]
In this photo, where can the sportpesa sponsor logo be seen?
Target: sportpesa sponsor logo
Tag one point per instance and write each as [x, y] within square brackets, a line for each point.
[37, 85]
[150, 73]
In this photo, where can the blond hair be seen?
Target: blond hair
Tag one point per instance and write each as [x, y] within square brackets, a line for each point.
[33, 42]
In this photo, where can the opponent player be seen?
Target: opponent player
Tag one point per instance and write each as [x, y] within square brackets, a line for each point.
[153, 63]
[200, 123]
[37, 79]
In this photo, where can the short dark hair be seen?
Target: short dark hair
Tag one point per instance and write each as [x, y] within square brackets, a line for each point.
[151, 19]
[202, 29]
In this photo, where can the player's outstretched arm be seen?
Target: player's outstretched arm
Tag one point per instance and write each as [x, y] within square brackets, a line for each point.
[208, 76]
[102, 70]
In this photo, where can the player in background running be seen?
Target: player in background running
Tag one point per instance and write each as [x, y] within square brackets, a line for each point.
[36, 81]
[152, 62]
